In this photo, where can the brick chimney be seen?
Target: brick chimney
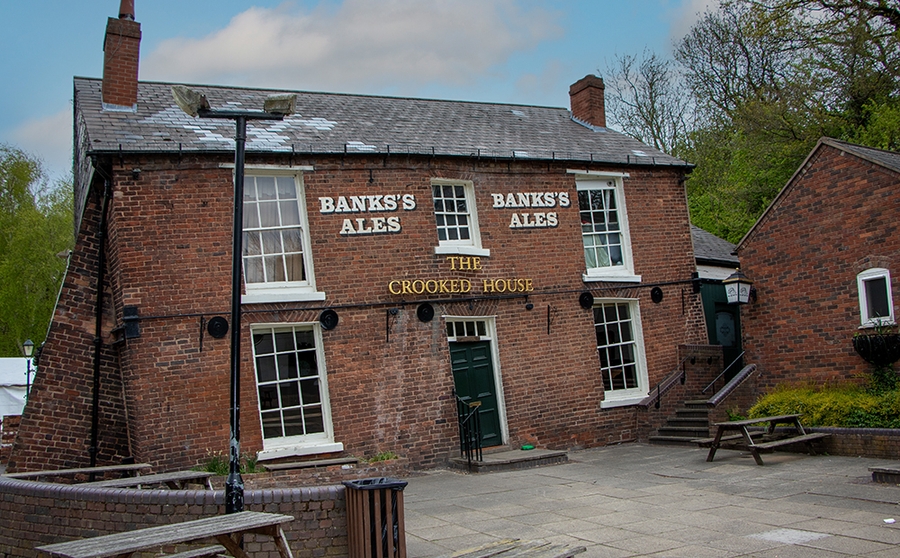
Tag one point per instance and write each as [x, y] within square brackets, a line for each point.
[121, 50]
[587, 101]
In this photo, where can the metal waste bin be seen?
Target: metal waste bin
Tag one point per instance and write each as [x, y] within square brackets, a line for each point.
[375, 518]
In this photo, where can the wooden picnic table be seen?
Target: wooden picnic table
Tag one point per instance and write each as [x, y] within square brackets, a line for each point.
[759, 441]
[135, 468]
[226, 529]
[175, 480]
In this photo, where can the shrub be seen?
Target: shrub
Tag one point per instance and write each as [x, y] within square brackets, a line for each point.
[843, 406]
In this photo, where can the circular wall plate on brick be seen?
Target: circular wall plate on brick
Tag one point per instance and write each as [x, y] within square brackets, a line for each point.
[217, 327]
[586, 300]
[656, 295]
[328, 319]
[425, 312]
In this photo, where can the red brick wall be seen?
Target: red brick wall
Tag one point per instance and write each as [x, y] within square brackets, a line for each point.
[390, 390]
[34, 514]
[836, 218]
[55, 431]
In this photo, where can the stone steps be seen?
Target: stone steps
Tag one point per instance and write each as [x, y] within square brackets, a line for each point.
[691, 421]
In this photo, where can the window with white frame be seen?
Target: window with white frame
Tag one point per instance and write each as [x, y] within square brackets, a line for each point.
[604, 229]
[876, 305]
[620, 347]
[456, 218]
[276, 257]
[291, 386]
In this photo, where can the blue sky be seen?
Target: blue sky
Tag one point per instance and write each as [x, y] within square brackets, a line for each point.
[506, 51]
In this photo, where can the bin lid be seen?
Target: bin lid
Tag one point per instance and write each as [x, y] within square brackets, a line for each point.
[376, 483]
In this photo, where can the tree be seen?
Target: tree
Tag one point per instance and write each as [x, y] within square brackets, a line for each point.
[35, 227]
[646, 101]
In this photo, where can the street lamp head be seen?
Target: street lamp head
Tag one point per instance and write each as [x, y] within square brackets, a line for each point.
[280, 104]
[28, 348]
[189, 100]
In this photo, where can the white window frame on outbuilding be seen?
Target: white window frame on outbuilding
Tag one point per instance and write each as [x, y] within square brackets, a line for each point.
[870, 284]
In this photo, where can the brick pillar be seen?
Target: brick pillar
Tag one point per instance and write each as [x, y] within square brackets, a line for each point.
[121, 50]
[586, 98]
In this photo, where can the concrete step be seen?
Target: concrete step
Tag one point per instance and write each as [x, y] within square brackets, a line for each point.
[692, 413]
[683, 432]
[672, 440]
[511, 460]
[698, 422]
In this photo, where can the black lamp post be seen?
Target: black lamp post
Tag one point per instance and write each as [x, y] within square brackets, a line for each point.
[276, 107]
[28, 351]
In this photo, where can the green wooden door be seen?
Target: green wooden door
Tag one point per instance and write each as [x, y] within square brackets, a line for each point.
[473, 374]
[723, 324]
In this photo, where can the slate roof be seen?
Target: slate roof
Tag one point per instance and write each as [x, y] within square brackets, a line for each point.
[710, 249]
[341, 123]
[887, 159]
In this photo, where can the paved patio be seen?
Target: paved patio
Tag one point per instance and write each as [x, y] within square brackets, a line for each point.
[648, 500]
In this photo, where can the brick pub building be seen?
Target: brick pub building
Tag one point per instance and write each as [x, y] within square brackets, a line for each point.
[397, 253]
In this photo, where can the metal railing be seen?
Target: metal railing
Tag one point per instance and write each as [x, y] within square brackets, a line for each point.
[469, 413]
[731, 385]
[721, 374]
[677, 375]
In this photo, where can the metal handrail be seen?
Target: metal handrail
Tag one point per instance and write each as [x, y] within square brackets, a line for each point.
[733, 362]
[666, 384]
[469, 414]
[731, 385]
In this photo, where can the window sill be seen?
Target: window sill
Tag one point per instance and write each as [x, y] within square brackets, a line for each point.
[624, 402]
[463, 251]
[285, 295]
[612, 278]
[299, 450]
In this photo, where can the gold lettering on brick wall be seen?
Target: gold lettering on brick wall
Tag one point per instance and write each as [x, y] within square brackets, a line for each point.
[536, 219]
[368, 204]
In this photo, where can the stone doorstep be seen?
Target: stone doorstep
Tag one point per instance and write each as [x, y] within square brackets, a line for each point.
[510, 460]
[889, 475]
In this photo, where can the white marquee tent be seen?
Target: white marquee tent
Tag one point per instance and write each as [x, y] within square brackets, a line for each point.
[12, 385]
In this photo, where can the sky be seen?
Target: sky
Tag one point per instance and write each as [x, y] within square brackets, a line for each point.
[501, 51]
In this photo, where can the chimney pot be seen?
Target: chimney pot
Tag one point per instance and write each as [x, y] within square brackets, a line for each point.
[586, 98]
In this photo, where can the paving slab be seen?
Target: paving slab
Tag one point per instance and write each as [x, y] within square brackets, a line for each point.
[651, 500]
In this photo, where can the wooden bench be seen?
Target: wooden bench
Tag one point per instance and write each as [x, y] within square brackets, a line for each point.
[175, 480]
[515, 548]
[205, 552]
[135, 468]
[226, 529]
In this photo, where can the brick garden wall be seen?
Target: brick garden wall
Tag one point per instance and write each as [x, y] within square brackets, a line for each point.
[35, 513]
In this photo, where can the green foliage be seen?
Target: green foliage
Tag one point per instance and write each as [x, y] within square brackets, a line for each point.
[219, 463]
[35, 226]
[840, 406]
[755, 85]
[383, 456]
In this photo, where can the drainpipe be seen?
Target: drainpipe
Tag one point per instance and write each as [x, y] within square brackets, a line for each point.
[98, 332]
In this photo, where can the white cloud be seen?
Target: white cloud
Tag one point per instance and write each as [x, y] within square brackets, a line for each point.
[49, 139]
[393, 46]
[687, 14]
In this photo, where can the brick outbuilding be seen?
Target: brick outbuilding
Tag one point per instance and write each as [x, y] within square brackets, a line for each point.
[398, 253]
[821, 259]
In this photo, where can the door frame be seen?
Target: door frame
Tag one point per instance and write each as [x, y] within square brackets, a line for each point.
[491, 337]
